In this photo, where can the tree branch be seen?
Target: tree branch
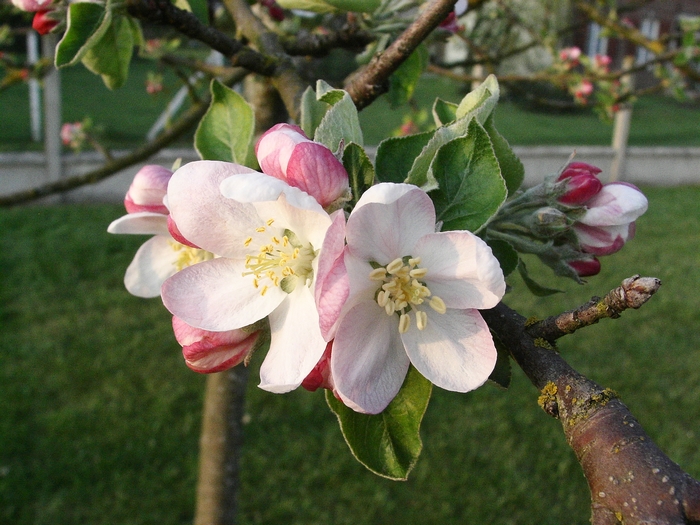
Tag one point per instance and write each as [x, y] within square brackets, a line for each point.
[373, 80]
[631, 480]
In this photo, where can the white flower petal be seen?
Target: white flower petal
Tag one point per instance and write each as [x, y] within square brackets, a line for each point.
[389, 222]
[153, 263]
[368, 361]
[257, 187]
[310, 225]
[455, 351]
[204, 216]
[296, 344]
[616, 204]
[141, 223]
[462, 269]
[213, 295]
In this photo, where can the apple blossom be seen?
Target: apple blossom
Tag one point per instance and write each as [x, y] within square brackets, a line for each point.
[284, 152]
[161, 255]
[33, 6]
[42, 23]
[585, 267]
[266, 236]
[207, 352]
[413, 298]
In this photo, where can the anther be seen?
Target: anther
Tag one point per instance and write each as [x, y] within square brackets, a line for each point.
[394, 266]
[404, 323]
[421, 319]
[438, 305]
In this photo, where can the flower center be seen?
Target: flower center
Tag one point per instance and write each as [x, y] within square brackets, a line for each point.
[282, 260]
[402, 291]
[187, 256]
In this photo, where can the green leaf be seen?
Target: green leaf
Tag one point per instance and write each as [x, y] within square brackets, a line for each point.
[389, 443]
[86, 23]
[501, 374]
[395, 156]
[483, 98]
[507, 256]
[402, 83]
[359, 168]
[478, 104]
[357, 6]
[470, 187]
[532, 285]
[312, 112]
[111, 55]
[444, 112]
[341, 123]
[226, 131]
[512, 169]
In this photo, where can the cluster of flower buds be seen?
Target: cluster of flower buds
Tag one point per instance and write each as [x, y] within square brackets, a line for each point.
[571, 219]
[74, 135]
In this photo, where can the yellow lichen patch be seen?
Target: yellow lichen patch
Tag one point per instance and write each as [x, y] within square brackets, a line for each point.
[543, 343]
[548, 395]
[531, 320]
[620, 518]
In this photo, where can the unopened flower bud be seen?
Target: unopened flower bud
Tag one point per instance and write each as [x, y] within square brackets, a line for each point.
[207, 352]
[42, 23]
[549, 221]
[585, 267]
[320, 376]
[284, 152]
[581, 183]
[148, 190]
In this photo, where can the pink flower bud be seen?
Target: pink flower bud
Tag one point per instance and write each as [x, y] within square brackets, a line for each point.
[286, 153]
[148, 190]
[581, 183]
[43, 24]
[609, 219]
[320, 376]
[207, 352]
[570, 54]
[586, 267]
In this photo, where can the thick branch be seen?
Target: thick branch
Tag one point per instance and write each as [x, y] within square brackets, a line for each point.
[631, 480]
[373, 80]
[164, 12]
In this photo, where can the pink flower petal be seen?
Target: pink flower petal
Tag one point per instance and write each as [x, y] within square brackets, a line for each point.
[616, 204]
[368, 363]
[387, 222]
[314, 169]
[296, 344]
[332, 282]
[203, 215]
[214, 295]
[462, 270]
[455, 351]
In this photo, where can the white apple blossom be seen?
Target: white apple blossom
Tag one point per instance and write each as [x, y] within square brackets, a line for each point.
[413, 298]
[266, 236]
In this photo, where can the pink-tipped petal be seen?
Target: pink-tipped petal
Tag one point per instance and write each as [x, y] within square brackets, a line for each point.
[462, 269]
[214, 295]
[203, 215]
[455, 351]
[148, 190]
[616, 204]
[368, 363]
[332, 282]
[314, 169]
[296, 344]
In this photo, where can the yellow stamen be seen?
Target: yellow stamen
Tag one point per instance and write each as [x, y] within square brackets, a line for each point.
[421, 320]
[404, 323]
[438, 305]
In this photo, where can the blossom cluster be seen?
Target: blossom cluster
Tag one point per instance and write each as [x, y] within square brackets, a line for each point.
[350, 300]
[571, 220]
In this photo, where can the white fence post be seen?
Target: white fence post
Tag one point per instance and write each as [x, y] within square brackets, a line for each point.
[34, 87]
[52, 113]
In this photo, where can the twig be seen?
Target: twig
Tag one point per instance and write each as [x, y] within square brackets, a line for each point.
[189, 119]
[631, 480]
[632, 293]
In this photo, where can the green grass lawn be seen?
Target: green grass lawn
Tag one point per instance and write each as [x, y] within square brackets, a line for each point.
[101, 417]
[125, 116]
